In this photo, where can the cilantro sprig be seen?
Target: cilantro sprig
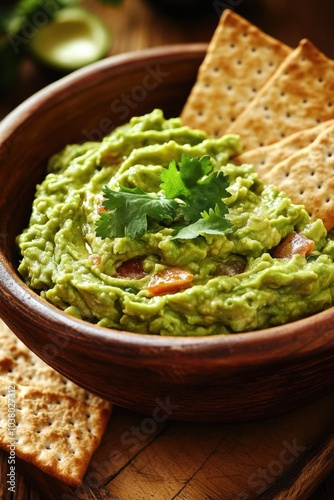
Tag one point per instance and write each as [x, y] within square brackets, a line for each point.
[191, 203]
[130, 210]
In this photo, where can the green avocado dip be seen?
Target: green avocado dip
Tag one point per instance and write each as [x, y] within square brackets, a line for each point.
[162, 279]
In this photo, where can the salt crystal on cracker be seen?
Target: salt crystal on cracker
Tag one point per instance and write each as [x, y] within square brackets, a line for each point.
[239, 60]
[298, 96]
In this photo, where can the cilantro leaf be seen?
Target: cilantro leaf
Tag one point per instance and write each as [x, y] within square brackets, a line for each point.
[205, 195]
[192, 203]
[194, 169]
[173, 184]
[212, 222]
[179, 179]
[129, 210]
[189, 181]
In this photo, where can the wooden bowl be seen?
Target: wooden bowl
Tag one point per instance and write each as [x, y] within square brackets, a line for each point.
[221, 378]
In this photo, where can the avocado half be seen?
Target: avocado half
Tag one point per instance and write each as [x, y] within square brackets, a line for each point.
[71, 40]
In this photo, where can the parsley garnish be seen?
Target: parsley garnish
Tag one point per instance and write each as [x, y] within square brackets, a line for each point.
[191, 204]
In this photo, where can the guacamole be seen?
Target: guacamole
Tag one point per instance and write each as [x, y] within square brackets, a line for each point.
[159, 283]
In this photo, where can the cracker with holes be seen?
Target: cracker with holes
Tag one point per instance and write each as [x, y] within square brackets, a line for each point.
[56, 433]
[239, 60]
[298, 96]
[59, 425]
[307, 177]
[267, 157]
[22, 366]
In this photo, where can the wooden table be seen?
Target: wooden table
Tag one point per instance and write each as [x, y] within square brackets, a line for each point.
[179, 460]
[140, 458]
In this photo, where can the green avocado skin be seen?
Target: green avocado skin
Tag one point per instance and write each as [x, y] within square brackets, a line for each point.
[64, 260]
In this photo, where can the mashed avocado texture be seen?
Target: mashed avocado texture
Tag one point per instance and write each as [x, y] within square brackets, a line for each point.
[158, 283]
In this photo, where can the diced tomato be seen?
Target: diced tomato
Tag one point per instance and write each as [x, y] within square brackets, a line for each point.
[170, 280]
[101, 209]
[293, 244]
[131, 269]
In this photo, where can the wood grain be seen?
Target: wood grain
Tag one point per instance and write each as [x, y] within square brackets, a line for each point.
[141, 458]
[135, 25]
[307, 472]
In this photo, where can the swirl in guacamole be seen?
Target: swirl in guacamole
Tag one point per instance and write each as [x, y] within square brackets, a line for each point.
[155, 230]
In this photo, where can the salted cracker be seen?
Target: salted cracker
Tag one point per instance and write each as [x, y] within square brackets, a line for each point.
[56, 433]
[299, 95]
[58, 425]
[239, 60]
[307, 177]
[21, 366]
[267, 157]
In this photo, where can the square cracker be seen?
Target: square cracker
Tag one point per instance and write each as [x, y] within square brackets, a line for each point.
[307, 177]
[267, 157]
[299, 95]
[21, 366]
[56, 433]
[239, 60]
[58, 424]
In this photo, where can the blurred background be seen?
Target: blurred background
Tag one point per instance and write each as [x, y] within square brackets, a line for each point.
[128, 25]
[138, 24]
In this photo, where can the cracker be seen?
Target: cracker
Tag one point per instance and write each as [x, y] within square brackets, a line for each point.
[267, 157]
[22, 366]
[307, 177]
[58, 424]
[299, 95]
[56, 434]
[239, 60]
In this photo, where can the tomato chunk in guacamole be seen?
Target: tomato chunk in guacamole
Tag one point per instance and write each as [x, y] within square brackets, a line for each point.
[157, 283]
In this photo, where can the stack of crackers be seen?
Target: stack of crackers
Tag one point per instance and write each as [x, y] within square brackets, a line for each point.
[46, 419]
[279, 100]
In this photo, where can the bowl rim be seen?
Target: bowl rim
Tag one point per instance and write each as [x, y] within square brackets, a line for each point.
[20, 299]
[282, 342]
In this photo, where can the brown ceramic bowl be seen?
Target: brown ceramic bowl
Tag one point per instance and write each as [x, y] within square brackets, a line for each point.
[221, 378]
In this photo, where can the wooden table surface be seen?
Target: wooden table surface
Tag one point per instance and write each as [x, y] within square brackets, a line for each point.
[179, 460]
